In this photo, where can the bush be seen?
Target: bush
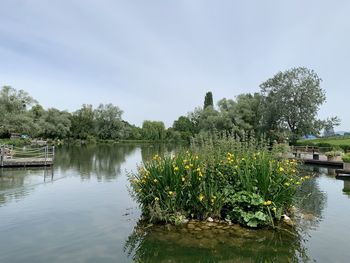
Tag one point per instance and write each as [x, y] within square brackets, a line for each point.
[223, 179]
[334, 153]
[346, 158]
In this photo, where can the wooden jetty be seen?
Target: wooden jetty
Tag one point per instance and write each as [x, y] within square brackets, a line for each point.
[314, 156]
[11, 156]
[342, 174]
[323, 163]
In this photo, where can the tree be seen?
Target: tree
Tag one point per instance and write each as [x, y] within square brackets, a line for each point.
[55, 124]
[208, 100]
[185, 127]
[14, 116]
[108, 121]
[329, 125]
[83, 122]
[153, 130]
[248, 111]
[292, 99]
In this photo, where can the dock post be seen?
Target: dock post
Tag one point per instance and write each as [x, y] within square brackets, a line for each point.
[45, 154]
[1, 157]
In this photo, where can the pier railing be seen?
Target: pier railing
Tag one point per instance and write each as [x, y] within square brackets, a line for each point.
[12, 156]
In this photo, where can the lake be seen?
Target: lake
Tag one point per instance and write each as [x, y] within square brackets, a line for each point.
[81, 211]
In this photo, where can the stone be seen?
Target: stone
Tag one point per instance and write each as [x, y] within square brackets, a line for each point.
[209, 219]
[287, 220]
[190, 226]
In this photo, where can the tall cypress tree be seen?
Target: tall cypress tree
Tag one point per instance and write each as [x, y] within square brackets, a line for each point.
[208, 100]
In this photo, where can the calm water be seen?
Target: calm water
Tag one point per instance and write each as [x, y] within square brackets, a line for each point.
[81, 211]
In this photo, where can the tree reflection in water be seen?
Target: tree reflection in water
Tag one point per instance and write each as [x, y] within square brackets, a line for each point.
[101, 161]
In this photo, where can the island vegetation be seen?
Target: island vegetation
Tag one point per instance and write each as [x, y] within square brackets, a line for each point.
[220, 177]
[285, 109]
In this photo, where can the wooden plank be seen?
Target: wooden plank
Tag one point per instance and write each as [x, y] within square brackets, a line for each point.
[342, 171]
[25, 162]
[322, 162]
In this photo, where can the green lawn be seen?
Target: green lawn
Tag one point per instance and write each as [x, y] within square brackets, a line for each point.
[341, 141]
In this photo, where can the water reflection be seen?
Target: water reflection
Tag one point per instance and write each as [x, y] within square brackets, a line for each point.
[102, 161]
[168, 243]
[12, 182]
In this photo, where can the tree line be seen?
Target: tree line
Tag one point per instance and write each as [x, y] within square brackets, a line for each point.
[285, 108]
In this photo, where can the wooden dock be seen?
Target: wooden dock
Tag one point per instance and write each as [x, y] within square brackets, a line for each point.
[323, 163]
[11, 156]
[342, 174]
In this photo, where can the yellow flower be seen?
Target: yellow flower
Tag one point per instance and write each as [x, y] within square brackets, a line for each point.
[170, 193]
[297, 183]
[281, 169]
[274, 209]
[196, 157]
[200, 174]
[187, 167]
[155, 180]
[201, 197]
[286, 184]
[176, 168]
[268, 202]
[198, 169]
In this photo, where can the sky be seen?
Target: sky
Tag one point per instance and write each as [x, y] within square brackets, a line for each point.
[157, 59]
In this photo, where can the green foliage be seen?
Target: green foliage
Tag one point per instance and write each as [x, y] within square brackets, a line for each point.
[54, 124]
[108, 121]
[83, 124]
[153, 130]
[334, 153]
[221, 178]
[292, 99]
[185, 127]
[208, 100]
[14, 117]
[346, 158]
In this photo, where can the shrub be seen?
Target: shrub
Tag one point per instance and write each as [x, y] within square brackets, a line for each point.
[346, 158]
[334, 153]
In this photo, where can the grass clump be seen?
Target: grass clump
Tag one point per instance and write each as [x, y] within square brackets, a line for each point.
[223, 178]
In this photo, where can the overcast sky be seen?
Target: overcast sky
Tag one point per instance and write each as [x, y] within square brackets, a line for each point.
[157, 59]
